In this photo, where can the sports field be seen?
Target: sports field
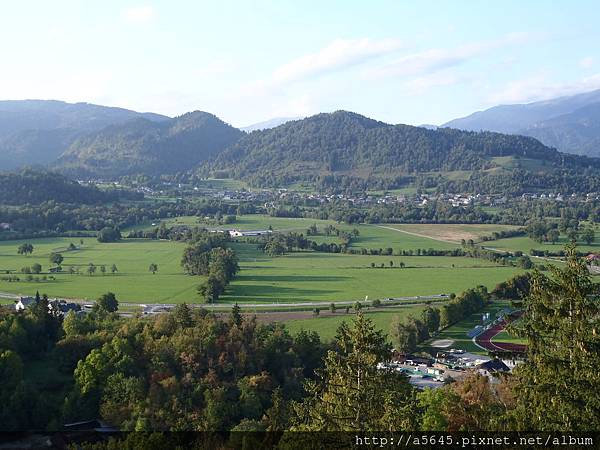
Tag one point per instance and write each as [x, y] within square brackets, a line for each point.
[458, 332]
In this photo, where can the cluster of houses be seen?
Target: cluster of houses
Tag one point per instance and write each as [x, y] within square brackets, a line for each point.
[56, 306]
[446, 366]
[558, 197]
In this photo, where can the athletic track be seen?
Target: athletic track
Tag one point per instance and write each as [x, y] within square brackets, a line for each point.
[485, 340]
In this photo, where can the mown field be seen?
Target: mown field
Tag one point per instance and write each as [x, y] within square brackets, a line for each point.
[327, 326]
[307, 276]
[453, 232]
[296, 277]
[525, 244]
[133, 281]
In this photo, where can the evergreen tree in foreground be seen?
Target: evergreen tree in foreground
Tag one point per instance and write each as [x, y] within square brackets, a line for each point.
[351, 392]
[557, 388]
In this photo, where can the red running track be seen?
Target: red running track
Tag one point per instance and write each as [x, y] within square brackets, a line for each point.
[485, 340]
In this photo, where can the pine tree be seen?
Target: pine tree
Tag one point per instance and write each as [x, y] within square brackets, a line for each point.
[183, 315]
[236, 315]
[557, 388]
[352, 392]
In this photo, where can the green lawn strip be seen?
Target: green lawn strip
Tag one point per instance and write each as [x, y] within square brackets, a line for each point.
[525, 244]
[326, 326]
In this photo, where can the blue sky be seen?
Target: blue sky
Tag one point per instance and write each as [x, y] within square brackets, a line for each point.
[398, 61]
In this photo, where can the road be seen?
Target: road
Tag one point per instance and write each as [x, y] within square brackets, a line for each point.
[149, 305]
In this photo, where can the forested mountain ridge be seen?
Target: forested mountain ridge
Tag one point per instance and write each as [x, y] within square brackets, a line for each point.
[148, 147]
[38, 131]
[32, 187]
[345, 143]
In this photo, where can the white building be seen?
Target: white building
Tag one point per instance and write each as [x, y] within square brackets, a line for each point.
[238, 233]
[23, 303]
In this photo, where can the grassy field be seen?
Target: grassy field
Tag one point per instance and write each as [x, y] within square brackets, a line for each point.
[458, 331]
[505, 336]
[133, 282]
[453, 232]
[525, 244]
[296, 277]
[327, 276]
[327, 326]
[371, 236]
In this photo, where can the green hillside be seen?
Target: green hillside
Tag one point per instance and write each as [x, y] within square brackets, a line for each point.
[148, 147]
[330, 149]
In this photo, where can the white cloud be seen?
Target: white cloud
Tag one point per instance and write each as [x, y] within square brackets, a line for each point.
[537, 87]
[339, 54]
[140, 14]
[423, 83]
[586, 62]
[433, 60]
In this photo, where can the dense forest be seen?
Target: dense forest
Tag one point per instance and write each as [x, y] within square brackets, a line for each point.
[30, 187]
[148, 147]
[349, 145]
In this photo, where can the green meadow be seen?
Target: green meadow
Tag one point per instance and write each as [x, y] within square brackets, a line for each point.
[309, 276]
[525, 244]
[133, 282]
[295, 277]
[327, 326]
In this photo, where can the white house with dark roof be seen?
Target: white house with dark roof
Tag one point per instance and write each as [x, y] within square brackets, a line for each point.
[24, 303]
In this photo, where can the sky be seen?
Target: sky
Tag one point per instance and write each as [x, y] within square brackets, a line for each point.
[414, 62]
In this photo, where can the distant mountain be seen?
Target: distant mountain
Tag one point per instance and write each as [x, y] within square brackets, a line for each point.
[571, 124]
[577, 132]
[34, 132]
[143, 146]
[345, 144]
[271, 123]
